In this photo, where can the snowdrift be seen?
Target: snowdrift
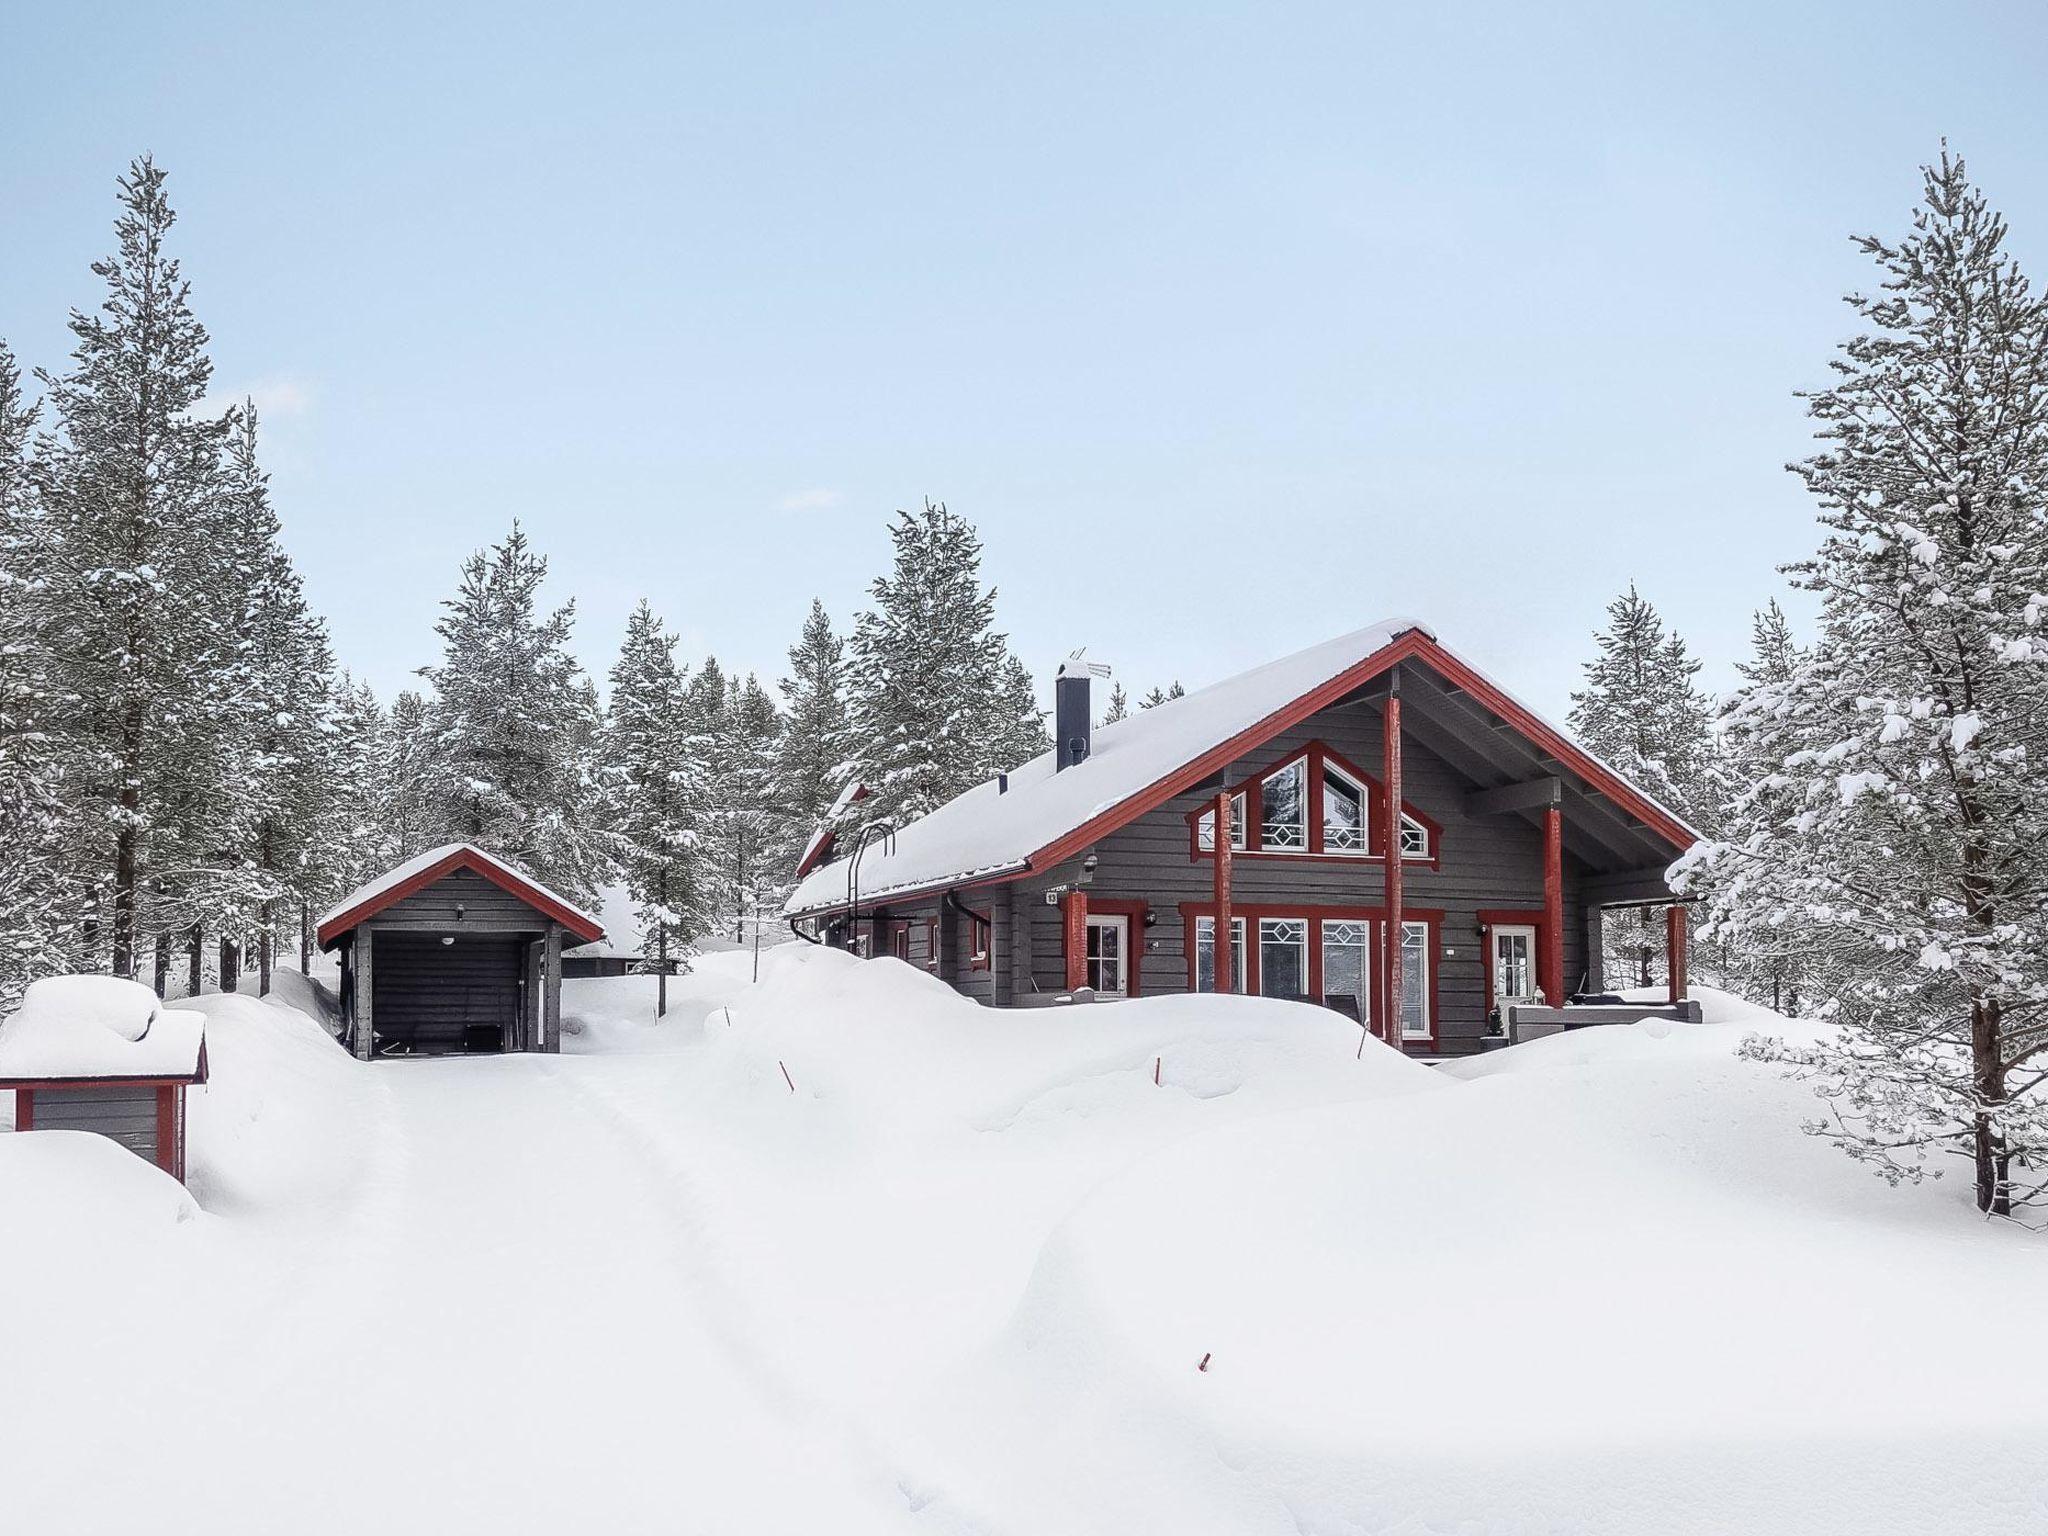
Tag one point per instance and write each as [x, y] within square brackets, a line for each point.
[840, 1250]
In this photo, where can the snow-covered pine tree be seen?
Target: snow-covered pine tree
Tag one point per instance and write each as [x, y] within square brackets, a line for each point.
[1157, 696]
[1119, 705]
[735, 731]
[356, 819]
[1780, 973]
[413, 778]
[1643, 712]
[657, 791]
[39, 898]
[1910, 846]
[122, 485]
[940, 704]
[813, 760]
[516, 724]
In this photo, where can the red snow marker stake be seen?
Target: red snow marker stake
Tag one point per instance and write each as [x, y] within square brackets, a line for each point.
[786, 1077]
[1156, 1060]
[1204, 1365]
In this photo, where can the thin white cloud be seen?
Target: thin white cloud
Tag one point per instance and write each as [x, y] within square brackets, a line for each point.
[819, 500]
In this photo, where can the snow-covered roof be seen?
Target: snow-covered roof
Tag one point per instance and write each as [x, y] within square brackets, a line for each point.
[988, 833]
[424, 869]
[850, 794]
[99, 1027]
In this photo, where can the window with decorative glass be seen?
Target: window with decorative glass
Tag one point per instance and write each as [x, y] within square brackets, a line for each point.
[1414, 838]
[1415, 981]
[1205, 826]
[1283, 957]
[1283, 809]
[1344, 802]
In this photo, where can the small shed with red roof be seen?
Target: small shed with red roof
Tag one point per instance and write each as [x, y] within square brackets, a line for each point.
[454, 951]
[100, 1054]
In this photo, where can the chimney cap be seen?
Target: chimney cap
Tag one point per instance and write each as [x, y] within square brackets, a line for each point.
[1076, 665]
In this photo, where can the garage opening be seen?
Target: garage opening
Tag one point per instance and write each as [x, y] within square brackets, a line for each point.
[446, 995]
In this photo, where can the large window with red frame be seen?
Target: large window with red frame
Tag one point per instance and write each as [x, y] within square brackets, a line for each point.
[1317, 804]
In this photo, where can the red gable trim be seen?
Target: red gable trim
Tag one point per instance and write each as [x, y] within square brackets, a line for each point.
[824, 837]
[1411, 644]
[463, 858]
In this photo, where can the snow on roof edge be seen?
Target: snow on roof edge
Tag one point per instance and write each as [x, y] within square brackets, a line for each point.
[420, 863]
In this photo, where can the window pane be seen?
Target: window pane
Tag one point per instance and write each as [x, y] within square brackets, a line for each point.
[1343, 814]
[1205, 826]
[1414, 838]
[1283, 957]
[1415, 980]
[1347, 965]
[1284, 822]
[1106, 955]
[1205, 953]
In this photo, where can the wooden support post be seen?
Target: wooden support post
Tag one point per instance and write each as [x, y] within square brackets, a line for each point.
[1223, 950]
[363, 957]
[1553, 907]
[1674, 948]
[1390, 834]
[1074, 908]
[551, 1011]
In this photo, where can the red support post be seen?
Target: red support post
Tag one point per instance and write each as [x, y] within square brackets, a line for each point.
[1076, 912]
[1390, 836]
[1553, 906]
[1226, 975]
[1674, 948]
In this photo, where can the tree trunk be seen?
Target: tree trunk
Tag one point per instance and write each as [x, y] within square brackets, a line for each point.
[1994, 1194]
[127, 841]
[661, 972]
[163, 964]
[230, 965]
[263, 956]
[195, 949]
[305, 939]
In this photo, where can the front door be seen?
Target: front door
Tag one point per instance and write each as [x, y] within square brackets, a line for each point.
[1109, 948]
[1514, 964]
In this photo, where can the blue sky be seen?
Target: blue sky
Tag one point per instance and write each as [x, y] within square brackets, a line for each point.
[1231, 327]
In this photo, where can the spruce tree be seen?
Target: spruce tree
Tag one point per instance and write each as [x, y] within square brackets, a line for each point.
[1902, 841]
[39, 898]
[1119, 705]
[657, 794]
[413, 778]
[1641, 710]
[125, 481]
[1158, 696]
[940, 704]
[516, 725]
[814, 758]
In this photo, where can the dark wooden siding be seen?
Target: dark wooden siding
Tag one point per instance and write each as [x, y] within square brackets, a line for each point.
[484, 907]
[1485, 862]
[428, 994]
[124, 1114]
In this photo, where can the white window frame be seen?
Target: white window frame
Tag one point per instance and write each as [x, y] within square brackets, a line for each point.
[1122, 924]
[1417, 984]
[1495, 933]
[1301, 944]
[1364, 848]
[1205, 826]
[1364, 947]
[1410, 824]
[1237, 941]
[1266, 845]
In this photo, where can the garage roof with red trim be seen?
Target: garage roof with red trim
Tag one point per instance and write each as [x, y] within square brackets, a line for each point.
[421, 871]
[1140, 762]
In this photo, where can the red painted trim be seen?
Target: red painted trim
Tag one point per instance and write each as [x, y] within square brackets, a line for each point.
[167, 1131]
[819, 850]
[24, 1109]
[1675, 949]
[1074, 910]
[1225, 856]
[575, 922]
[1133, 911]
[1552, 950]
[1321, 758]
[58, 1084]
[1390, 746]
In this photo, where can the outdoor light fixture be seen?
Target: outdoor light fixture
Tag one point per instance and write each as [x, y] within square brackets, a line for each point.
[460, 913]
[447, 938]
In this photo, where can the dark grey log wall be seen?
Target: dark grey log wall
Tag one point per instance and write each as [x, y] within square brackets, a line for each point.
[484, 906]
[126, 1115]
[1486, 862]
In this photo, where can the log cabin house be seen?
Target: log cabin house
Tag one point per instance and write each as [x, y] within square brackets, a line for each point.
[1404, 842]
[454, 951]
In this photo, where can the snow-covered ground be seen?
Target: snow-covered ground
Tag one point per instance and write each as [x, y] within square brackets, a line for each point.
[841, 1252]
